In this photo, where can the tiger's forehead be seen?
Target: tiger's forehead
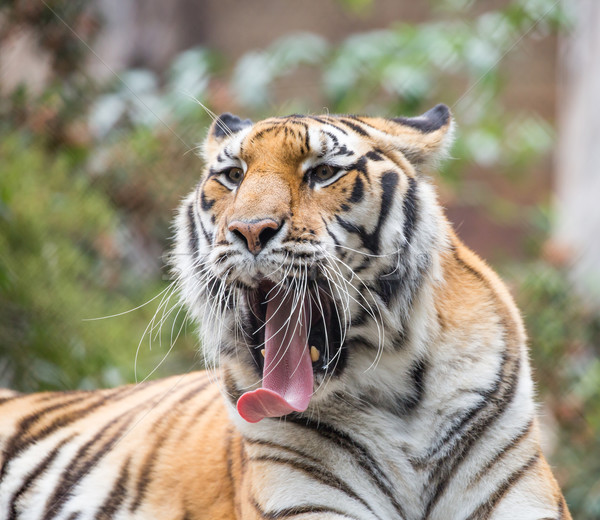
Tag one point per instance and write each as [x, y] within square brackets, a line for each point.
[305, 139]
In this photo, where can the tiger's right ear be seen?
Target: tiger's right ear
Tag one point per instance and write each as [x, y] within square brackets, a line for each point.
[223, 127]
[227, 124]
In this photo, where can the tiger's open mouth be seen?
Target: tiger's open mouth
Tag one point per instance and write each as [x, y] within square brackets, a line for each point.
[296, 334]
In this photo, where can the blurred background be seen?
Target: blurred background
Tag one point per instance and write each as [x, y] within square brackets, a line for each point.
[100, 114]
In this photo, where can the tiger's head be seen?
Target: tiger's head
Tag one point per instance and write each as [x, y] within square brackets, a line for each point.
[304, 253]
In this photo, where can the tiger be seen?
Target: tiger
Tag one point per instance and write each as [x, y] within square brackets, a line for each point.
[361, 362]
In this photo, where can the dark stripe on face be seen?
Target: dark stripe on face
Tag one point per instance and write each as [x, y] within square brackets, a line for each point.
[205, 203]
[207, 236]
[328, 123]
[306, 138]
[358, 191]
[356, 127]
[410, 208]
[375, 155]
[333, 137]
[271, 129]
[371, 241]
[117, 494]
[354, 448]
[32, 476]
[485, 510]
[330, 233]
[193, 235]
[342, 150]
[360, 166]
[389, 181]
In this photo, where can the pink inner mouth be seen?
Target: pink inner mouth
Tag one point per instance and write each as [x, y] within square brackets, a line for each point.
[287, 382]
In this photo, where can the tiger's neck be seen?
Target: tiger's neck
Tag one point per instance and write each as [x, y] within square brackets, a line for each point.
[419, 412]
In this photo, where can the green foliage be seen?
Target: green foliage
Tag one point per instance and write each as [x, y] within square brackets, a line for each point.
[565, 344]
[58, 267]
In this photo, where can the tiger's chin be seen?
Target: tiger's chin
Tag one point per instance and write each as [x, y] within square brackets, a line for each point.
[295, 337]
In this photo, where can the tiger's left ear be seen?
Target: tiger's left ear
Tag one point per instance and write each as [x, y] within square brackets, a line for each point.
[424, 139]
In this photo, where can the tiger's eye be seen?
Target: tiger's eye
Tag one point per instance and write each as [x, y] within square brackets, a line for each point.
[235, 175]
[324, 172]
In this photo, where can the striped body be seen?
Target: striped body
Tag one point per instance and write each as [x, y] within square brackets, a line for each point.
[422, 399]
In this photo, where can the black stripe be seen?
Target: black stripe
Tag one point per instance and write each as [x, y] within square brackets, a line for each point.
[389, 181]
[371, 241]
[207, 236]
[290, 512]
[477, 421]
[484, 511]
[333, 137]
[375, 155]
[488, 398]
[82, 463]
[33, 475]
[330, 233]
[360, 165]
[14, 395]
[318, 473]
[193, 236]
[561, 508]
[276, 128]
[357, 128]
[162, 433]
[417, 375]
[21, 439]
[509, 446]
[328, 123]
[89, 455]
[359, 452]
[410, 208]
[357, 191]
[117, 494]
[477, 274]
[205, 203]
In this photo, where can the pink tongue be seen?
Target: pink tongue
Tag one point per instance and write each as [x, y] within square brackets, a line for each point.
[287, 374]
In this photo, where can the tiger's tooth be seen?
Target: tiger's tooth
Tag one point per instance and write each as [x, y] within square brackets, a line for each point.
[262, 351]
[314, 354]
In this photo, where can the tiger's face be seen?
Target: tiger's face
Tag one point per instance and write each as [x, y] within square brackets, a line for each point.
[302, 250]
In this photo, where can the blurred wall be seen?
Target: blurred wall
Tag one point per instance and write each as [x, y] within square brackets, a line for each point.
[577, 234]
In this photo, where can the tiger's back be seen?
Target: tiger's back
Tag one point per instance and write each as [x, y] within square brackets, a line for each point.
[163, 449]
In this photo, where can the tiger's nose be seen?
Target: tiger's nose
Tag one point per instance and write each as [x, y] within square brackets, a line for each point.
[255, 233]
